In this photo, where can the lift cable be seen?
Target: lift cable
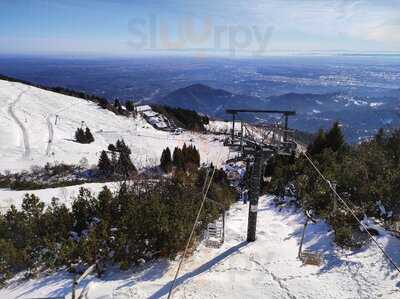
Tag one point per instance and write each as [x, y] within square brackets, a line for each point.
[352, 213]
[206, 188]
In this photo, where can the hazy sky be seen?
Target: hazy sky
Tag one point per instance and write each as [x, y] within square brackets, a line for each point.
[203, 27]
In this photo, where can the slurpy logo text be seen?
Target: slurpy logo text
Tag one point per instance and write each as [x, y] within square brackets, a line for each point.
[199, 35]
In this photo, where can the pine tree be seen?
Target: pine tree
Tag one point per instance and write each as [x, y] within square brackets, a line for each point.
[81, 210]
[80, 135]
[190, 158]
[166, 160]
[125, 166]
[319, 143]
[84, 136]
[58, 222]
[32, 206]
[122, 147]
[380, 137]
[178, 159]
[112, 148]
[118, 106]
[105, 165]
[194, 156]
[88, 136]
[103, 103]
[129, 106]
[334, 138]
[197, 157]
[103, 206]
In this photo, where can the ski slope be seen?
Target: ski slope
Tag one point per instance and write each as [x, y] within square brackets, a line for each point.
[65, 195]
[29, 135]
[267, 268]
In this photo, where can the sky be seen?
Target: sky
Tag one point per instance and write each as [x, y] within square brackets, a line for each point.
[200, 27]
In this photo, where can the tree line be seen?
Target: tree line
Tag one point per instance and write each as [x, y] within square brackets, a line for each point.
[188, 119]
[141, 221]
[183, 159]
[366, 175]
[100, 101]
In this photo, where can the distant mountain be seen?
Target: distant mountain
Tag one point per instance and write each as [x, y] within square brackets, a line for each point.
[214, 102]
[361, 116]
[208, 100]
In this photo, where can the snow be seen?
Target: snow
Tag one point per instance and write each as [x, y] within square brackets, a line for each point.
[150, 113]
[65, 194]
[143, 108]
[376, 104]
[219, 126]
[267, 268]
[27, 124]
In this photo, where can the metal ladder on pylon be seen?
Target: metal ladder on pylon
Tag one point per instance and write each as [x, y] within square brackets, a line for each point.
[215, 234]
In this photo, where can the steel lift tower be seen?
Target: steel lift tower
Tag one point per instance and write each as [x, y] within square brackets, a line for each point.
[256, 145]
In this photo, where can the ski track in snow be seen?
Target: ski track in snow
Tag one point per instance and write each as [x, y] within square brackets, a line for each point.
[25, 136]
[51, 135]
[50, 126]
[47, 142]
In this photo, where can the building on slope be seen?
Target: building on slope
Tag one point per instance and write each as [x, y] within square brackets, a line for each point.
[157, 120]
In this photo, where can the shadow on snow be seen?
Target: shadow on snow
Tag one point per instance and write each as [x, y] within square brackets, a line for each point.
[203, 268]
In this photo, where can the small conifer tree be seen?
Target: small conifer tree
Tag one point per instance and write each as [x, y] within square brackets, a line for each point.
[80, 135]
[129, 106]
[166, 160]
[89, 136]
[104, 164]
[84, 136]
[319, 143]
[334, 138]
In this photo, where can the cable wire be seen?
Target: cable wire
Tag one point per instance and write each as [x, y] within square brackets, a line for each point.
[352, 213]
[206, 188]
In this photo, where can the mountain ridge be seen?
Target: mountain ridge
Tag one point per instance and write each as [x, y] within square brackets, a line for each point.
[314, 110]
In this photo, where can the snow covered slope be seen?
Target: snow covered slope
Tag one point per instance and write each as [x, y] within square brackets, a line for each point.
[267, 268]
[65, 195]
[29, 135]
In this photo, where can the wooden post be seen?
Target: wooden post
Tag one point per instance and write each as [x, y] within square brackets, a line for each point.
[302, 238]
